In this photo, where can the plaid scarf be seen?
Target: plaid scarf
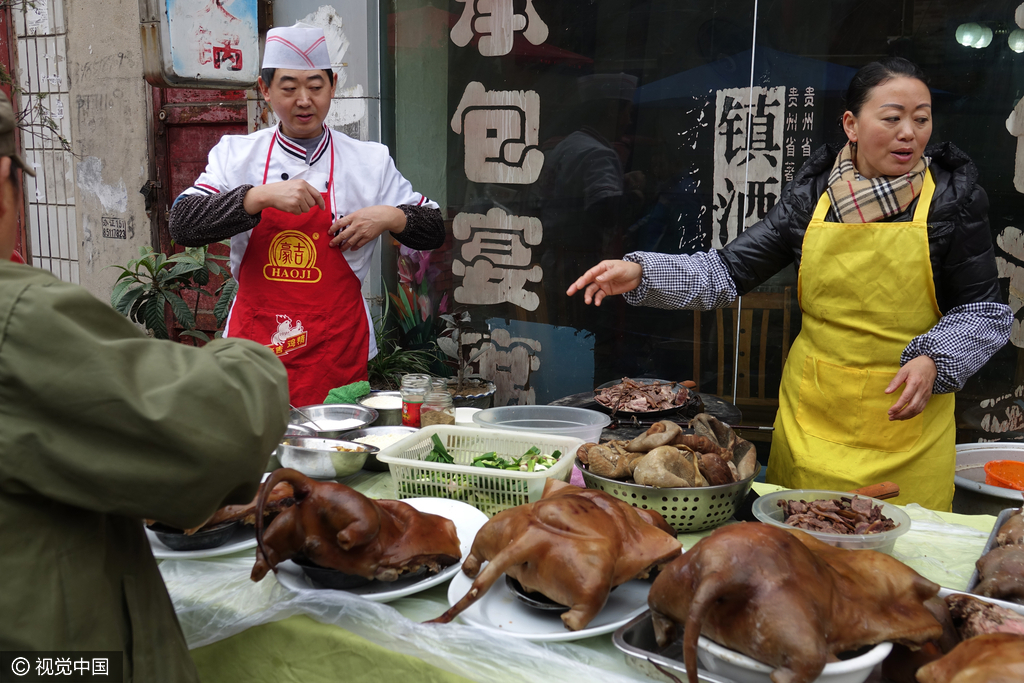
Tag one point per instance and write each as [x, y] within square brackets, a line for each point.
[857, 199]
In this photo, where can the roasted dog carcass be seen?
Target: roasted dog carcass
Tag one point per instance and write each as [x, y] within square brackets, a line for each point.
[336, 527]
[788, 600]
[279, 498]
[989, 658]
[1001, 569]
[573, 546]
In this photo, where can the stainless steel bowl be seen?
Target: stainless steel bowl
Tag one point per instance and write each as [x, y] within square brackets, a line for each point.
[299, 430]
[685, 509]
[334, 419]
[371, 461]
[385, 416]
[321, 458]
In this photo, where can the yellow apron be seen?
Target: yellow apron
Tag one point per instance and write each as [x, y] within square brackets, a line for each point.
[865, 290]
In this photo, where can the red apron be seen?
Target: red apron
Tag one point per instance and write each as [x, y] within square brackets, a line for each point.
[300, 297]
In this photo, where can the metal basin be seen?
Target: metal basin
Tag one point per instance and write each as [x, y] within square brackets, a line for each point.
[973, 496]
[332, 420]
[323, 458]
[385, 416]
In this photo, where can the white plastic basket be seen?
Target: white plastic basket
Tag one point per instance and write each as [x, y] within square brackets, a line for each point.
[489, 490]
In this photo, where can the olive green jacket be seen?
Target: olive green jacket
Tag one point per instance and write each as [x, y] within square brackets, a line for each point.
[100, 427]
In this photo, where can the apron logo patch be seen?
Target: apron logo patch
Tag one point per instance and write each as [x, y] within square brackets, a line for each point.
[289, 336]
[292, 258]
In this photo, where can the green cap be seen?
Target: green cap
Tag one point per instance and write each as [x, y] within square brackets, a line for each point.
[7, 128]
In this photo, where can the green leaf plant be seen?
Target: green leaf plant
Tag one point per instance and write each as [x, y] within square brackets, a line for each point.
[152, 284]
[392, 361]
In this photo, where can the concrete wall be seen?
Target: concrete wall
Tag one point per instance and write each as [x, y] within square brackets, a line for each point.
[111, 114]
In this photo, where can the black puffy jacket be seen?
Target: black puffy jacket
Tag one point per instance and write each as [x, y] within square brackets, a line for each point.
[959, 239]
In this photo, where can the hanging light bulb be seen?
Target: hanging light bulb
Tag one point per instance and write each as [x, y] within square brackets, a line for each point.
[967, 34]
[1016, 41]
[984, 39]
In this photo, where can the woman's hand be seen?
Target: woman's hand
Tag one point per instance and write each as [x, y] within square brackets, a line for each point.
[365, 225]
[607, 278]
[919, 376]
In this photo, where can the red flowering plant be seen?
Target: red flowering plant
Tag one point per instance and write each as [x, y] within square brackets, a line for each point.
[416, 297]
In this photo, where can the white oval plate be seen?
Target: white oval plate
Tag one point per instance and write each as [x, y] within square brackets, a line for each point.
[243, 538]
[499, 611]
[468, 521]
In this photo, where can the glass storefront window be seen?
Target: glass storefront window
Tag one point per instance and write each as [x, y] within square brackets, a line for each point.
[558, 134]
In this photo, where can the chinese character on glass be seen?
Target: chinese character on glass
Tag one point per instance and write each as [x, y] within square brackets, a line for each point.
[743, 183]
[788, 170]
[805, 147]
[794, 97]
[495, 258]
[497, 22]
[500, 131]
[809, 97]
[790, 146]
[791, 121]
[808, 121]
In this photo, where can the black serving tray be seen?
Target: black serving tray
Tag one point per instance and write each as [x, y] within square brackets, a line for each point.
[676, 411]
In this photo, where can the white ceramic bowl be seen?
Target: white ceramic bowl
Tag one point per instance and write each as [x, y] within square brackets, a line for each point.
[743, 669]
[766, 509]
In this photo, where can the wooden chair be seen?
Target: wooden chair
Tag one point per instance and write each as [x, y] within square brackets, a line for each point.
[763, 318]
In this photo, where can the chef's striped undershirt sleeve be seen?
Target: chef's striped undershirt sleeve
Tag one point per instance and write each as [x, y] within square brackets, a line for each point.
[200, 219]
[961, 342]
[691, 281]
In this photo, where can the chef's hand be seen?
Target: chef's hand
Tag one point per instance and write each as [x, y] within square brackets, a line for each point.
[919, 376]
[365, 225]
[605, 279]
[291, 196]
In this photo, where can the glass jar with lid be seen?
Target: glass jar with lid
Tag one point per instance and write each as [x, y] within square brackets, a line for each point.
[414, 389]
[437, 409]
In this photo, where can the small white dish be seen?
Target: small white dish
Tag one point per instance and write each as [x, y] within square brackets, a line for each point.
[468, 521]
[499, 611]
[742, 669]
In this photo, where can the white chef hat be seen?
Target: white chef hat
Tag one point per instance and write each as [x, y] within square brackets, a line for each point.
[296, 47]
[607, 86]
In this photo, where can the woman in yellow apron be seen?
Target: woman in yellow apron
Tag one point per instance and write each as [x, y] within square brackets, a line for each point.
[897, 285]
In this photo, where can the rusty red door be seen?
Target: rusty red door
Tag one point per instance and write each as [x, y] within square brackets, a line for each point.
[188, 123]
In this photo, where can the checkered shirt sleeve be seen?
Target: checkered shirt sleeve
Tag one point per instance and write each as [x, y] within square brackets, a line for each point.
[694, 281]
[961, 342]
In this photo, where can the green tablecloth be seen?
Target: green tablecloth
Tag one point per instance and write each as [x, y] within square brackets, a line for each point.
[261, 632]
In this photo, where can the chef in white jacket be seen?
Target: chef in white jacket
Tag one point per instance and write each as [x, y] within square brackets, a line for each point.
[304, 206]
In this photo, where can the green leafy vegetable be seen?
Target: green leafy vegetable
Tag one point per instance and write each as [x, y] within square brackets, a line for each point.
[439, 453]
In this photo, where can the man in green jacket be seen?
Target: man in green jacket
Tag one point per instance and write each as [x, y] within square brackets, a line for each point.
[101, 427]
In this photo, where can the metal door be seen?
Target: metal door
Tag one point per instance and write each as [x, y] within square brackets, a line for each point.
[187, 124]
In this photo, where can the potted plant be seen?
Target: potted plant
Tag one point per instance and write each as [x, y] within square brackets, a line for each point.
[468, 389]
[152, 285]
[392, 360]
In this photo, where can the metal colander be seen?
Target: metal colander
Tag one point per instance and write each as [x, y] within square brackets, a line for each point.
[685, 509]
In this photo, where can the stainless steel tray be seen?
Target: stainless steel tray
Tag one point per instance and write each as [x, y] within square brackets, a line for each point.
[1000, 521]
[636, 640]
